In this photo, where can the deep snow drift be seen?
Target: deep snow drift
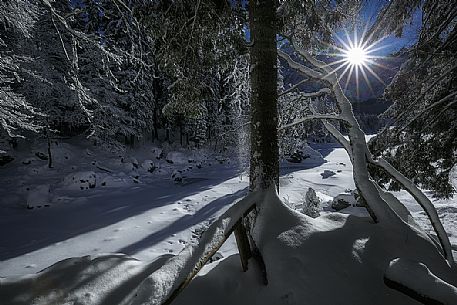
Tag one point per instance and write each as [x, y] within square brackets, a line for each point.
[151, 216]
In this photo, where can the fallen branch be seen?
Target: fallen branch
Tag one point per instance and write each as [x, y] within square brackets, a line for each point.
[165, 284]
[416, 281]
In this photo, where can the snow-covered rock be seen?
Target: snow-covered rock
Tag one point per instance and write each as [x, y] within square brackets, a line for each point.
[81, 180]
[130, 161]
[157, 153]
[110, 181]
[41, 155]
[311, 204]
[148, 165]
[5, 159]
[176, 157]
[177, 176]
[327, 173]
[343, 201]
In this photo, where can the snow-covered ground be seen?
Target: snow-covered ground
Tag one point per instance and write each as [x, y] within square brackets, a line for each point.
[146, 215]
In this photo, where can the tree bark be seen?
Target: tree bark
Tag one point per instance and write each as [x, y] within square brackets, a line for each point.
[264, 163]
[264, 159]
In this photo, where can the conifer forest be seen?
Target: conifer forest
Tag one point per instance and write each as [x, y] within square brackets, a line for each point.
[229, 152]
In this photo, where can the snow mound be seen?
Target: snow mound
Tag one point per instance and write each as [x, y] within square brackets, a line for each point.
[105, 279]
[80, 180]
[332, 259]
[343, 200]
[418, 282]
[177, 157]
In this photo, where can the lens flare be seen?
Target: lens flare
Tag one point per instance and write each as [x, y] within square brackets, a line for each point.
[356, 56]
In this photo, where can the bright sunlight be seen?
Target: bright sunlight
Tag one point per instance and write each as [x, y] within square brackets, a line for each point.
[356, 56]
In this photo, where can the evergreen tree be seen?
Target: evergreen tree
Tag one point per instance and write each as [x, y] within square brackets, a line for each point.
[17, 19]
[422, 139]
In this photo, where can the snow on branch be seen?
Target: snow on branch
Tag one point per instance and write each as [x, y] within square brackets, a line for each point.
[294, 87]
[162, 286]
[312, 117]
[422, 200]
[417, 281]
[299, 67]
[427, 109]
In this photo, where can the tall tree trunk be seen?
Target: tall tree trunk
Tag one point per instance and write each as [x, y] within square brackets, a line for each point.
[264, 163]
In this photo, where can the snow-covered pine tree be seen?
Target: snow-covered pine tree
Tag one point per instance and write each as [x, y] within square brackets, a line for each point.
[122, 85]
[51, 51]
[196, 52]
[421, 141]
[17, 19]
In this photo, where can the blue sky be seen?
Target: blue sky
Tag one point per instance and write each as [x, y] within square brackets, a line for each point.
[392, 44]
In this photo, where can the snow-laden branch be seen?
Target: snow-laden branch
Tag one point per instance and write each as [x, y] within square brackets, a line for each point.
[339, 137]
[422, 200]
[311, 117]
[299, 67]
[316, 93]
[360, 155]
[377, 206]
[294, 87]
[417, 281]
[162, 286]
[427, 109]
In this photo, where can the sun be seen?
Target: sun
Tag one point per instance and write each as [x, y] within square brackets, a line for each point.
[356, 56]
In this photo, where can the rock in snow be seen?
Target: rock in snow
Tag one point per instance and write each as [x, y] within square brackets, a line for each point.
[81, 180]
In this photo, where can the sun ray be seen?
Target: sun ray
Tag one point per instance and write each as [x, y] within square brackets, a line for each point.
[344, 72]
[375, 75]
[345, 45]
[367, 80]
[371, 48]
[357, 81]
[356, 55]
[335, 70]
[348, 79]
[351, 45]
[339, 61]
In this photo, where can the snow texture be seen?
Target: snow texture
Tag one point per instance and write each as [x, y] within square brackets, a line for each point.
[420, 282]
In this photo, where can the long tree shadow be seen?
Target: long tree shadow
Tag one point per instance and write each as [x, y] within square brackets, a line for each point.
[183, 223]
[28, 231]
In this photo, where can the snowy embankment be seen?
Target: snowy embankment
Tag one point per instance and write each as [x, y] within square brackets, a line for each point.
[155, 218]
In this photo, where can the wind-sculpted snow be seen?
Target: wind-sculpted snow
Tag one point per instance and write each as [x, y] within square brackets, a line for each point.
[332, 259]
[416, 280]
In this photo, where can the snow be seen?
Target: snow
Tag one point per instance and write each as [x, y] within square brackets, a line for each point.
[420, 281]
[38, 197]
[155, 219]
[333, 259]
